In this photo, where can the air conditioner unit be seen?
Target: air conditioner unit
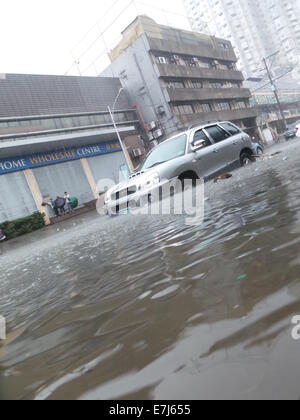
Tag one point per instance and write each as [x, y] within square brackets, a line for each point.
[158, 133]
[137, 153]
[152, 125]
[161, 110]
[162, 60]
[194, 60]
[176, 57]
[150, 137]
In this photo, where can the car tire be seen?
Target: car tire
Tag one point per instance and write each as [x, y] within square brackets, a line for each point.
[247, 158]
[190, 177]
[260, 151]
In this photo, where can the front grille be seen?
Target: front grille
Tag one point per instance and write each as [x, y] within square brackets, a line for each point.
[124, 193]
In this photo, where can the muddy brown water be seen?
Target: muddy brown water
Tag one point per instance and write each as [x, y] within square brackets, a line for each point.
[149, 308]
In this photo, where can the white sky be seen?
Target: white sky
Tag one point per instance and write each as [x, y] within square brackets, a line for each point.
[37, 36]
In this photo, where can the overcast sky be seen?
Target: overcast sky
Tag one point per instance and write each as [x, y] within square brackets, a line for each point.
[38, 36]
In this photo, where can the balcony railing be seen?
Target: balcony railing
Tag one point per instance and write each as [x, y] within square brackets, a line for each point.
[230, 115]
[190, 94]
[174, 70]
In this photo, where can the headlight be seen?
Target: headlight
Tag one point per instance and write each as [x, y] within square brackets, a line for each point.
[107, 196]
[149, 181]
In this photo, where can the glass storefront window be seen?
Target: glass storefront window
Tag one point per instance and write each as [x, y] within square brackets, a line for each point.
[84, 121]
[13, 124]
[67, 122]
[48, 124]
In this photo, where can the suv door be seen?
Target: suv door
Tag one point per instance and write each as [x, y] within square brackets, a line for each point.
[237, 140]
[223, 146]
[204, 158]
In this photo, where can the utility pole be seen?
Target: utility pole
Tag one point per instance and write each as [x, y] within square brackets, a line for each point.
[274, 89]
[111, 113]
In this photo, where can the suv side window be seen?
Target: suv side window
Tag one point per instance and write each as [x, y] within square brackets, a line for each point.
[217, 133]
[200, 135]
[231, 129]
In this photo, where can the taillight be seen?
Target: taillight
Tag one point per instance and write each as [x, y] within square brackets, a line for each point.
[297, 129]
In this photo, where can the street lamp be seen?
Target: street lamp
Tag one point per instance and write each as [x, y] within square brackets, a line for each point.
[111, 113]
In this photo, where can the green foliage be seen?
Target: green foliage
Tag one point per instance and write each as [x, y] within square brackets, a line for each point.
[22, 226]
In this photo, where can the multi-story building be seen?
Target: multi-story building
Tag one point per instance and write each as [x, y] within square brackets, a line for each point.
[179, 77]
[255, 28]
[284, 24]
[57, 135]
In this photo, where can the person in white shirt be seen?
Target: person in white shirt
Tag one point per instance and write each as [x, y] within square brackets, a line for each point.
[68, 201]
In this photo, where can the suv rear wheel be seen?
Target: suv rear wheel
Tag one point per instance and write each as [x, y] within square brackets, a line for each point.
[247, 158]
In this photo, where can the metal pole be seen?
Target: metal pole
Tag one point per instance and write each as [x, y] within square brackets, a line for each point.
[275, 93]
[119, 138]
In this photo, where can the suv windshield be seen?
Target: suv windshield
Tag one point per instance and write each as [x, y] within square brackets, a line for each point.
[169, 150]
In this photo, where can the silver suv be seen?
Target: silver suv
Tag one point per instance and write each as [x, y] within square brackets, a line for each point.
[198, 153]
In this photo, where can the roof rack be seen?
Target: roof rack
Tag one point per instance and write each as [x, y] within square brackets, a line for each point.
[202, 123]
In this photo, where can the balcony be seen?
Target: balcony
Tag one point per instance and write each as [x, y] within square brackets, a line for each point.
[206, 48]
[173, 70]
[232, 115]
[178, 95]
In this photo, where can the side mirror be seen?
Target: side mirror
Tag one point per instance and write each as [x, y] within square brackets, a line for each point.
[199, 144]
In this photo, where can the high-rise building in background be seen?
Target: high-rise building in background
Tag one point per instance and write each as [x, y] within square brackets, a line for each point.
[256, 28]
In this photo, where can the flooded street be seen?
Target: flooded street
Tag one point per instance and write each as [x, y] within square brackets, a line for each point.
[150, 308]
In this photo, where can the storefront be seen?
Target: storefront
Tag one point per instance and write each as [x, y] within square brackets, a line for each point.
[32, 171]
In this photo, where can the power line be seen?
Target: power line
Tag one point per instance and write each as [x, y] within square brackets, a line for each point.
[274, 89]
[95, 25]
[102, 33]
[99, 36]
[275, 79]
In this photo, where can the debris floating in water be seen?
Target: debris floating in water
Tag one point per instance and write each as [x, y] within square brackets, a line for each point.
[222, 177]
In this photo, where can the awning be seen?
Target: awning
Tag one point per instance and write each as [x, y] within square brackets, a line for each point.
[41, 144]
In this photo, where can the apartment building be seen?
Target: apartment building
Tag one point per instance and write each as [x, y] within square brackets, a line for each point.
[179, 78]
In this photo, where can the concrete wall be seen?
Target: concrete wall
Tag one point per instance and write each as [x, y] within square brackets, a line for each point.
[15, 197]
[138, 75]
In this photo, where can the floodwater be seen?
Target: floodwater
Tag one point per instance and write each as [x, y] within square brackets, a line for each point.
[150, 308]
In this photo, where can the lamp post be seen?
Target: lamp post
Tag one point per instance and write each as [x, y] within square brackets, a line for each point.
[111, 113]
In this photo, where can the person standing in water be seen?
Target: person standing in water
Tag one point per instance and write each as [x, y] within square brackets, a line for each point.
[68, 201]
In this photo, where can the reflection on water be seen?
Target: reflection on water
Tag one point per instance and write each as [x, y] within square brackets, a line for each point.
[148, 307]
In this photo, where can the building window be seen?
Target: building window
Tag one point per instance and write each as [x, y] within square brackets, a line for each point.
[222, 106]
[175, 85]
[183, 109]
[161, 60]
[239, 105]
[224, 45]
[196, 84]
[216, 85]
[199, 107]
